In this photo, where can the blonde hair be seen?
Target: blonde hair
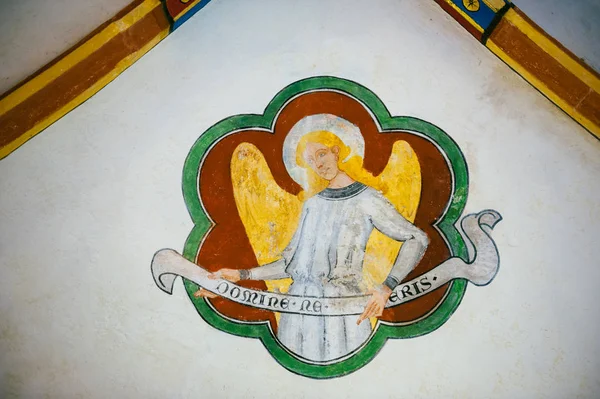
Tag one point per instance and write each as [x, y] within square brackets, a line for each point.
[351, 165]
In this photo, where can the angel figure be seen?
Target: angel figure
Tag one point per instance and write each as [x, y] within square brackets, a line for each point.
[346, 224]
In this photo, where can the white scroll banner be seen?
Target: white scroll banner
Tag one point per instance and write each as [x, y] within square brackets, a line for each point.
[484, 262]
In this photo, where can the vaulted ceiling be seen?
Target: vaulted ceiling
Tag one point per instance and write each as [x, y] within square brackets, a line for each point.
[83, 49]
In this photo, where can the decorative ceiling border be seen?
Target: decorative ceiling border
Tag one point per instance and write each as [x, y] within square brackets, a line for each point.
[80, 72]
[83, 70]
[528, 50]
[181, 10]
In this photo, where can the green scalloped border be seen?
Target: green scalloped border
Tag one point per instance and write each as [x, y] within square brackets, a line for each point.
[202, 224]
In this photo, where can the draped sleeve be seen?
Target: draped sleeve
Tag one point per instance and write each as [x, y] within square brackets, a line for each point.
[390, 222]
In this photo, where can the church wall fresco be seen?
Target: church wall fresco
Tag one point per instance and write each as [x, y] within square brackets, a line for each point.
[200, 148]
[255, 202]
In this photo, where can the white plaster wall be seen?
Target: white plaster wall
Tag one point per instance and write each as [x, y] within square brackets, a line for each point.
[575, 23]
[34, 32]
[84, 206]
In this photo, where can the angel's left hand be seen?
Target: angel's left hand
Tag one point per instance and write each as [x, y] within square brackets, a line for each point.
[375, 306]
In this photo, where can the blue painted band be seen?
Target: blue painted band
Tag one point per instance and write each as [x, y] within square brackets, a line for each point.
[187, 14]
[483, 17]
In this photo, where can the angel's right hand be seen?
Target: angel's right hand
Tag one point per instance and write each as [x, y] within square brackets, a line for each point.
[227, 274]
[202, 293]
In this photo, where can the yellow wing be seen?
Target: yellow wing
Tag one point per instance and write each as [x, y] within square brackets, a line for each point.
[269, 213]
[400, 182]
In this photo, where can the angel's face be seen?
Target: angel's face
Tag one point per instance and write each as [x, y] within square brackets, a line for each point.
[322, 159]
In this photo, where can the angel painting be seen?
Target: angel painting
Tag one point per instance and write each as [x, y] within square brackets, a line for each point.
[347, 233]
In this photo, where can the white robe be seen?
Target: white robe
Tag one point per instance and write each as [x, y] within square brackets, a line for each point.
[325, 259]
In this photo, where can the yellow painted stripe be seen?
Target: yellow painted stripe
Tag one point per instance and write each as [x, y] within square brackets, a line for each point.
[538, 84]
[573, 65]
[119, 68]
[469, 19]
[192, 5]
[495, 5]
[76, 56]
